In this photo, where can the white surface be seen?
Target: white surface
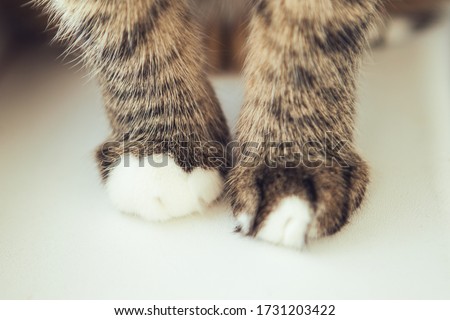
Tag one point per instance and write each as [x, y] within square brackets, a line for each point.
[61, 238]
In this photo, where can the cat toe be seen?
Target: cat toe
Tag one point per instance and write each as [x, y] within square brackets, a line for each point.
[157, 189]
[286, 225]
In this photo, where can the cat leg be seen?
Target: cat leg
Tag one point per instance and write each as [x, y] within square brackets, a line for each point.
[297, 175]
[164, 157]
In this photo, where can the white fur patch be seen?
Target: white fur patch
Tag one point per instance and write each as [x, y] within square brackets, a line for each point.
[288, 223]
[161, 192]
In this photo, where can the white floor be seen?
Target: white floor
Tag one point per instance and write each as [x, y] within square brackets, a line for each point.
[60, 237]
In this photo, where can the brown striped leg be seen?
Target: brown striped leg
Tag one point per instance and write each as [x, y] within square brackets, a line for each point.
[164, 157]
[300, 177]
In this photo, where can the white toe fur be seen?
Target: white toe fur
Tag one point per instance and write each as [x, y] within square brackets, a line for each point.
[161, 192]
[244, 222]
[288, 223]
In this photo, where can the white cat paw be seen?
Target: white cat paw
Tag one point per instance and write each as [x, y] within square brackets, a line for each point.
[161, 192]
[286, 225]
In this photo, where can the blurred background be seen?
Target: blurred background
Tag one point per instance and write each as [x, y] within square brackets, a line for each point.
[61, 238]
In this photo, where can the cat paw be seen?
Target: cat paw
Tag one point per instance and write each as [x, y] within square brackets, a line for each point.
[290, 206]
[157, 189]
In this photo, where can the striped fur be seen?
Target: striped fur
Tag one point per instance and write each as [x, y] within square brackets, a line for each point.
[301, 70]
[301, 82]
[149, 63]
